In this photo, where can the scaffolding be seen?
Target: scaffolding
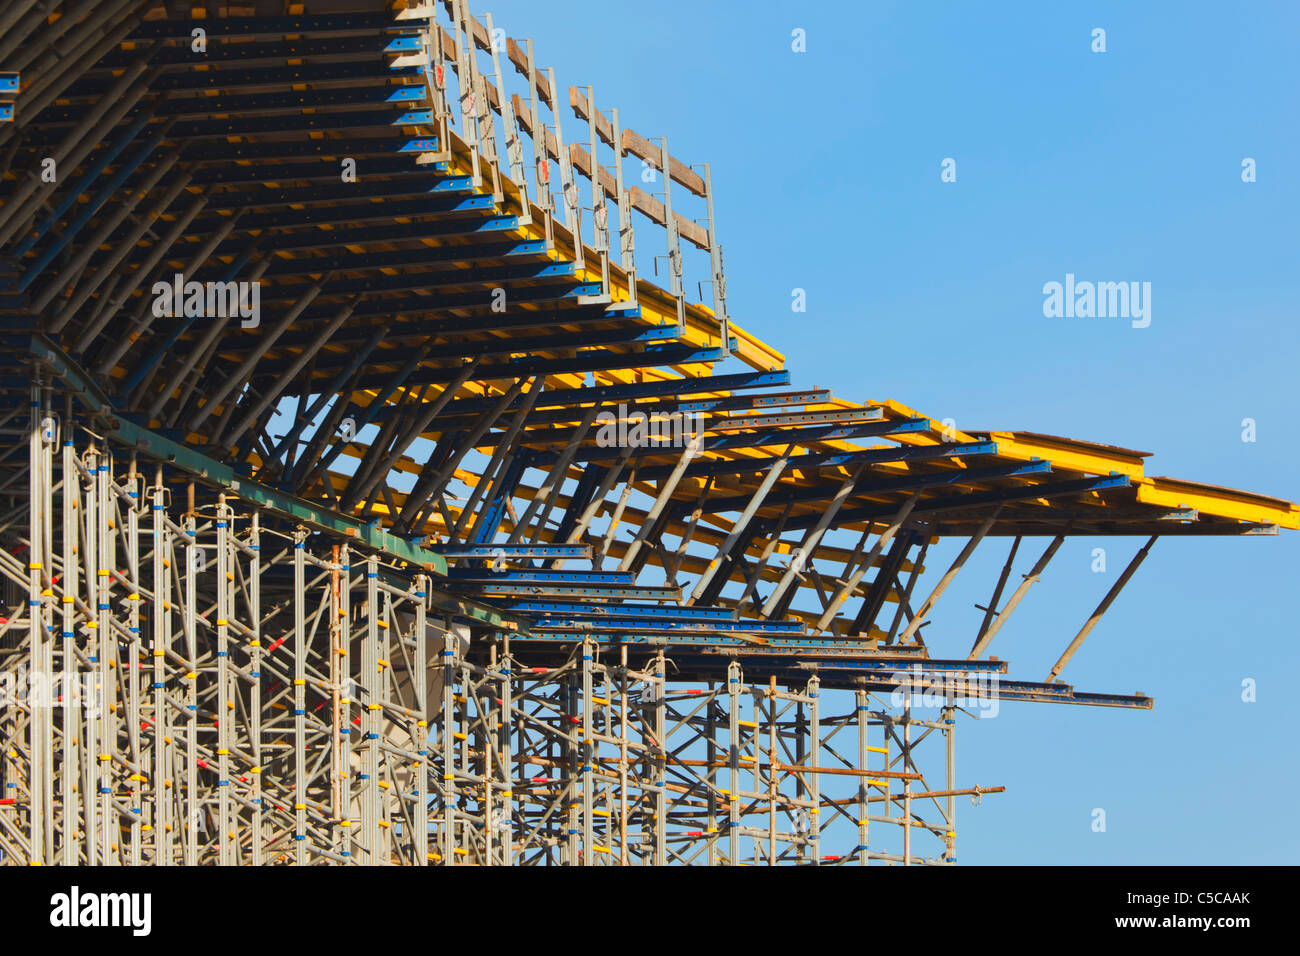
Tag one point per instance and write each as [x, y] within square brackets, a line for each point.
[459, 550]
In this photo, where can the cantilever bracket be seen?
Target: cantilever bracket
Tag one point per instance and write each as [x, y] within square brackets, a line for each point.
[986, 637]
[1095, 617]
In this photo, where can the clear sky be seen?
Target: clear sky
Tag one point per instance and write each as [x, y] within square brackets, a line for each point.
[1117, 166]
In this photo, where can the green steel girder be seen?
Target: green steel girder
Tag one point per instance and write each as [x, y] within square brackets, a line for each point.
[213, 472]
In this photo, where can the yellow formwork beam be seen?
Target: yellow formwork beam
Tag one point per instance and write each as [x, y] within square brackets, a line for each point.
[1220, 502]
[1068, 455]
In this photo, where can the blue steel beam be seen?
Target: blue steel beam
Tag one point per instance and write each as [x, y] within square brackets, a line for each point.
[493, 511]
[965, 502]
[494, 347]
[740, 466]
[406, 258]
[652, 611]
[359, 50]
[511, 550]
[290, 235]
[567, 397]
[195, 131]
[370, 188]
[209, 152]
[361, 69]
[826, 490]
[594, 360]
[522, 577]
[780, 437]
[617, 593]
[681, 407]
[393, 167]
[569, 623]
[269, 27]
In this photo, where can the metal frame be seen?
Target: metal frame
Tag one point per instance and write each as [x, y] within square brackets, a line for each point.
[364, 582]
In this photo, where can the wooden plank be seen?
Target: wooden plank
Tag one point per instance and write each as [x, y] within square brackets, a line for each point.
[604, 128]
[642, 148]
[637, 145]
[654, 209]
[633, 143]
[641, 200]
[524, 117]
[582, 163]
[519, 58]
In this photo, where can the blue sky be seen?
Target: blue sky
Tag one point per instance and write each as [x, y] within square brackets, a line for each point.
[1115, 166]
